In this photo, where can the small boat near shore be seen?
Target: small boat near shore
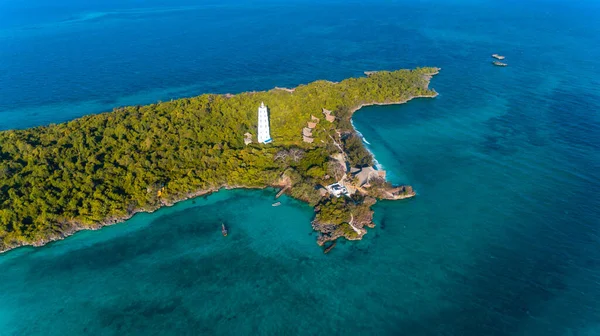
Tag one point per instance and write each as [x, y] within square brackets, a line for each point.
[223, 230]
[276, 204]
[496, 63]
[498, 57]
[329, 248]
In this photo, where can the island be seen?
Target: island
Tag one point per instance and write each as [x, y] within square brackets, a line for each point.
[102, 169]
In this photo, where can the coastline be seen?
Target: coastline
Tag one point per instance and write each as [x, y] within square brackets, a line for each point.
[354, 110]
[74, 226]
[77, 227]
[377, 164]
[328, 232]
[113, 221]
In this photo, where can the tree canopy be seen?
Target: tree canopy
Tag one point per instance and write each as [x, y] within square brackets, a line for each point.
[58, 178]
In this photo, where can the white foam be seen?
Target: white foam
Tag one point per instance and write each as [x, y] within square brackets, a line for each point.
[378, 165]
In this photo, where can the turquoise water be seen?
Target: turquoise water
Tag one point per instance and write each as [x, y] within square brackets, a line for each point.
[503, 238]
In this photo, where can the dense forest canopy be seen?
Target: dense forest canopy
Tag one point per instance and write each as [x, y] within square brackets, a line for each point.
[100, 168]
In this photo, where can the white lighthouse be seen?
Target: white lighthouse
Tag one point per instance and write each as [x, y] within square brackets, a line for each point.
[263, 124]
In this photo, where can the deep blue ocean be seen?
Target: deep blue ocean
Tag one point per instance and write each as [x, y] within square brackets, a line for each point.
[502, 239]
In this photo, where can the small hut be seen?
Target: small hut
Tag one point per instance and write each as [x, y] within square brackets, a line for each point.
[312, 125]
[322, 191]
[247, 139]
[328, 116]
[307, 132]
[307, 139]
[365, 174]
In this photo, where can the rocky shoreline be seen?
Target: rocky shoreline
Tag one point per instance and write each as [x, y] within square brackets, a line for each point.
[329, 232]
[74, 227]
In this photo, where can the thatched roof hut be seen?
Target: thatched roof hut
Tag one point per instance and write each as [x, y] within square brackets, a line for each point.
[247, 138]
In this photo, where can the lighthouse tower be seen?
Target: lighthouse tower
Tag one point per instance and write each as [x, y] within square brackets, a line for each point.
[263, 124]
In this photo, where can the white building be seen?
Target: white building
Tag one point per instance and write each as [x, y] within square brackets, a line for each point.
[263, 124]
[337, 190]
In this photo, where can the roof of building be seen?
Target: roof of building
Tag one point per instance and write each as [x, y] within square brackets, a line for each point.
[365, 174]
[337, 189]
[322, 191]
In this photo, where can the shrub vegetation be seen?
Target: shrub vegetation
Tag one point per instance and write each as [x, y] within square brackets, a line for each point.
[103, 167]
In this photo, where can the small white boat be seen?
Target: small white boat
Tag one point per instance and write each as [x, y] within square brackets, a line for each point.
[223, 230]
[276, 204]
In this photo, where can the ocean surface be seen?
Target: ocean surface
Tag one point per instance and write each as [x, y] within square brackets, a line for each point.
[502, 239]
